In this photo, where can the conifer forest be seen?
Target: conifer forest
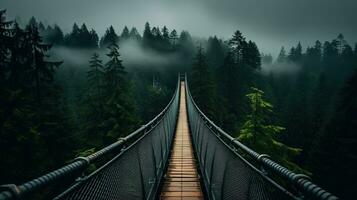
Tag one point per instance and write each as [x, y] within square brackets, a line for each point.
[283, 82]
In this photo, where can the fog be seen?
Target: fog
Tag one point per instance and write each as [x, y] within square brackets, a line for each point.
[132, 54]
[271, 24]
[280, 68]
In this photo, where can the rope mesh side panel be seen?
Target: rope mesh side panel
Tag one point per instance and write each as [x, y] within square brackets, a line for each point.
[135, 172]
[226, 174]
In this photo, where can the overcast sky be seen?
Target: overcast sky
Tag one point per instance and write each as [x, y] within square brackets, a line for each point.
[270, 23]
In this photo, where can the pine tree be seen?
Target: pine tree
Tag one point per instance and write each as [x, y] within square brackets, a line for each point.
[165, 34]
[31, 112]
[215, 52]
[94, 103]
[95, 75]
[173, 37]
[120, 108]
[201, 83]
[147, 35]
[134, 34]
[42, 28]
[33, 22]
[114, 70]
[125, 34]
[109, 38]
[55, 37]
[93, 39]
[72, 38]
[282, 56]
[41, 71]
[251, 55]
[258, 134]
[237, 44]
[295, 54]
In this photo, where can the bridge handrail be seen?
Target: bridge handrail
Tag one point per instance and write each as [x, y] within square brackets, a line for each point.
[79, 164]
[301, 181]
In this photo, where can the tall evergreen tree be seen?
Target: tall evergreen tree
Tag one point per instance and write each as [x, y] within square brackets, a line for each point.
[165, 34]
[125, 34]
[201, 83]
[251, 55]
[282, 55]
[31, 112]
[215, 52]
[134, 34]
[96, 75]
[95, 101]
[237, 43]
[295, 54]
[173, 37]
[110, 37]
[41, 71]
[147, 35]
[258, 134]
[114, 69]
[120, 107]
[93, 39]
[55, 36]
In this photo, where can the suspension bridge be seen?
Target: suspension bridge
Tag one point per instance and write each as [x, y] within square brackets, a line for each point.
[180, 154]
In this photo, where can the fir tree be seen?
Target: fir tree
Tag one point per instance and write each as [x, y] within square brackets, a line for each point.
[95, 75]
[251, 55]
[41, 71]
[282, 56]
[215, 52]
[134, 34]
[114, 70]
[173, 37]
[237, 44]
[201, 83]
[147, 35]
[110, 37]
[258, 134]
[95, 101]
[120, 109]
[125, 34]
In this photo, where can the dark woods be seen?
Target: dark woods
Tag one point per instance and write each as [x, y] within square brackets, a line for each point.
[300, 108]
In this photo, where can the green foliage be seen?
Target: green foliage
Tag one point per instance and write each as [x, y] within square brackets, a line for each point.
[259, 135]
[80, 37]
[32, 115]
[201, 83]
[110, 37]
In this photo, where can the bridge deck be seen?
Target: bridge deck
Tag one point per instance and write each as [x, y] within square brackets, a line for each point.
[181, 180]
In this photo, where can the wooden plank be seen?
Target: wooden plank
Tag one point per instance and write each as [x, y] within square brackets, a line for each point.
[181, 179]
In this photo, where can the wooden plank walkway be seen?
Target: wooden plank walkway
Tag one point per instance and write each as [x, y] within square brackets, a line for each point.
[181, 180]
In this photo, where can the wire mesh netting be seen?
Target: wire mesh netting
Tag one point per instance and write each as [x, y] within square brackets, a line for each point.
[226, 175]
[134, 173]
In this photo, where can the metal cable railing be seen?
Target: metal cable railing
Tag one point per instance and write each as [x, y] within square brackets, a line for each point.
[228, 175]
[135, 171]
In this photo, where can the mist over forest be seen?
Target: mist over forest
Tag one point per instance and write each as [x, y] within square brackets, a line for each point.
[71, 93]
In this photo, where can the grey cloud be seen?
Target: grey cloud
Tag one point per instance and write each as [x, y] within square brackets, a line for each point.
[271, 23]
